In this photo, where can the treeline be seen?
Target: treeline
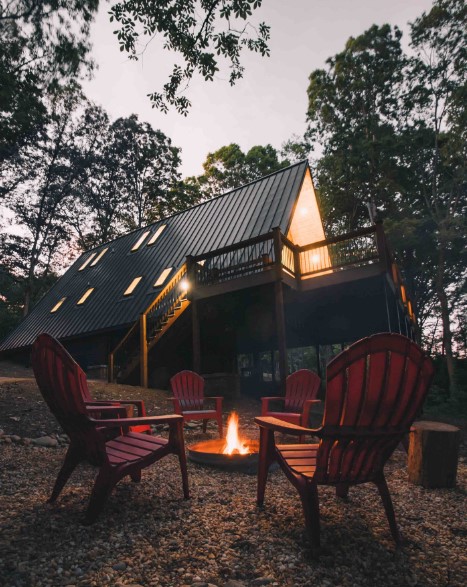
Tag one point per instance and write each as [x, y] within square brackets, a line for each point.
[386, 126]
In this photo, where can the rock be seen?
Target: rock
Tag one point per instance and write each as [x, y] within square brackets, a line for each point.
[262, 581]
[46, 441]
[233, 583]
[15, 438]
[119, 567]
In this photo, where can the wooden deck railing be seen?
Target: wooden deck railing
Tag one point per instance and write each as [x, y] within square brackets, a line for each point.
[272, 252]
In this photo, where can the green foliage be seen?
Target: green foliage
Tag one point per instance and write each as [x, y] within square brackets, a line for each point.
[42, 45]
[229, 167]
[193, 31]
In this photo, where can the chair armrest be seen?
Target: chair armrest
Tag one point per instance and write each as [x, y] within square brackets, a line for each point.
[170, 419]
[134, 402]
[307, 404]
[265, 403]
[218, 399]
[102, 403]
[286, 427]
[176, 404]
[117, 410]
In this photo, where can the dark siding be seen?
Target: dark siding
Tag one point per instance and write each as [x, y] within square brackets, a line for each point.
[243, 213]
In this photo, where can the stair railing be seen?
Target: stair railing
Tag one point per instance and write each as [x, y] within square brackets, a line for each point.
[134, 345]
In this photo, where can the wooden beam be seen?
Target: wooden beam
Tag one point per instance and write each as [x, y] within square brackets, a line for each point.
[280, 331]
[143, 350]
[196, 337]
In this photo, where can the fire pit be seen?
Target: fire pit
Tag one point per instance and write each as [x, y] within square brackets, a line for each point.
[233, 452]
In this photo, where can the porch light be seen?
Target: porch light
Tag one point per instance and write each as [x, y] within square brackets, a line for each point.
[315, 259]
[184, 285]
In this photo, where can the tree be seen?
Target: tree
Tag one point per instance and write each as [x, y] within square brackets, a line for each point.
[229, 168]
[43, 44]
[353, 113]
[193, 31]
[38, 187]
[439, 74]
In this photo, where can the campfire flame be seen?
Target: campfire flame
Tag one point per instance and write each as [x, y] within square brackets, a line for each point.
[234, 444]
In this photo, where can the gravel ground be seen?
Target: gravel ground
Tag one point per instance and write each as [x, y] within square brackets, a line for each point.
[148, 535]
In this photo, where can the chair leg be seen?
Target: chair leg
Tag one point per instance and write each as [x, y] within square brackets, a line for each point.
[102, 488]
[205, 423]
[389, 508]
[342, 490]
[183, 469]
[310, 502]
[265, 459]
[136, 476]
[72, 460]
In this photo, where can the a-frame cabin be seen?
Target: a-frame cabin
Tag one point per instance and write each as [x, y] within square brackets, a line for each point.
[247, 273]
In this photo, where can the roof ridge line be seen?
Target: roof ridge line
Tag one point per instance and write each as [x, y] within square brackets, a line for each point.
[195, 206]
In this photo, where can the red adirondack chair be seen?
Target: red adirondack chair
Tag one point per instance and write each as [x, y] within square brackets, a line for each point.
[188, 390]
[375, 389]
[60, 381]
[301, 390]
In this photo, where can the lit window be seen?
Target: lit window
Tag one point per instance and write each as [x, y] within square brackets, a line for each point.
[57, 305]
[88, 260]
[156, 235]
[130, 289]
[140, 241]
[87, 293]
[163, 276]
[99, 257]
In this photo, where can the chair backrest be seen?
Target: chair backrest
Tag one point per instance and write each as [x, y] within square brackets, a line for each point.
[300, 386]
[375, 389]
[188, 388]
[61, 382]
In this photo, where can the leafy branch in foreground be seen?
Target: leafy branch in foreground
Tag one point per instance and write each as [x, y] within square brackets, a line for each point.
[201, 32]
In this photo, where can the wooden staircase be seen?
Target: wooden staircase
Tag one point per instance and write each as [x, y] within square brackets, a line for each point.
[132, 351]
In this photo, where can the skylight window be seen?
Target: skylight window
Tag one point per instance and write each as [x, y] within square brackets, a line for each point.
[57, 305]
[163, 276]
[85, 296]
[140, 241]
[156, 235]
[131, 288]
[88, 260]
[99, 256]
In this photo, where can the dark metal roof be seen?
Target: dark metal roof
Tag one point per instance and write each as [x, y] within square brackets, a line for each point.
[243, 213]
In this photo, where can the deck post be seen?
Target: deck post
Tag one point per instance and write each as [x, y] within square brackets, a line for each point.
[196, 337]
[382, 246]
[279, 307]
[143, 349]
[297, 268]
[110, 368]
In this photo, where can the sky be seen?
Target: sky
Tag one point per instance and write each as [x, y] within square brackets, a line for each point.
[269, 104]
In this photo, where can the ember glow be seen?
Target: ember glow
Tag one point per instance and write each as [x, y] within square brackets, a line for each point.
[234, 444]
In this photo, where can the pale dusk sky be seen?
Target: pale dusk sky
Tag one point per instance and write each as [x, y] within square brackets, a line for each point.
[269, 104]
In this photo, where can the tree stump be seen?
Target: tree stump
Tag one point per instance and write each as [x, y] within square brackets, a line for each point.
[433, 454]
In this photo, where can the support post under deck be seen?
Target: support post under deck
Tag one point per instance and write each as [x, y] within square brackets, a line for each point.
[143, 346]
[279, 310]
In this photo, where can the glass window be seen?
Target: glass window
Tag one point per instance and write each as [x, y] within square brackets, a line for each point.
[57, 305]
[163, 276]
[88, 260]
[99, 256]
[130, 289]
[156, 235]
[140, 241]
[85, 296]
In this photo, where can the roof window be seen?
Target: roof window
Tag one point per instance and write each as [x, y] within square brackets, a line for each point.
[156, 235]
[130, 289]
[163, 276]
[99, 256]
[88, 260]
[140, 241]
[85, 296]
[57, 305]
